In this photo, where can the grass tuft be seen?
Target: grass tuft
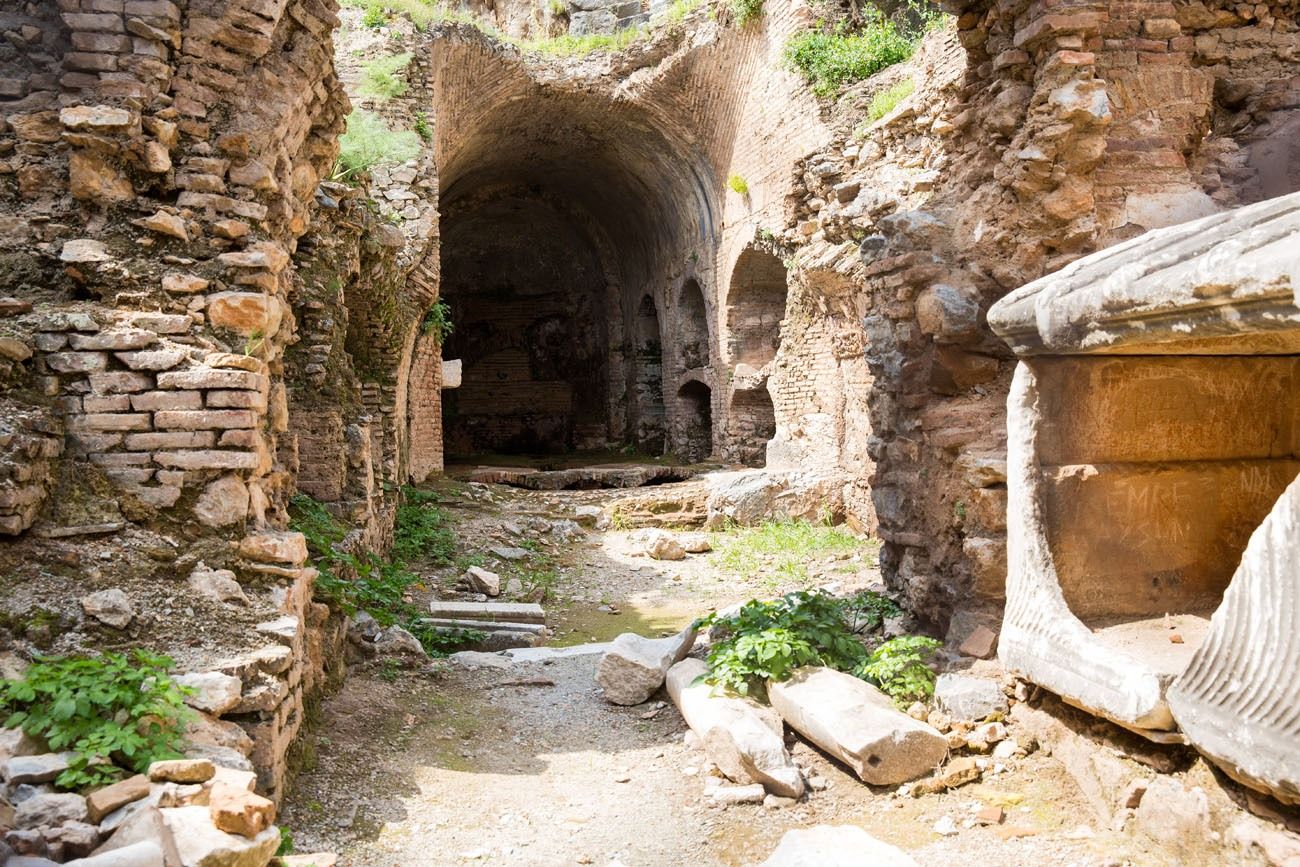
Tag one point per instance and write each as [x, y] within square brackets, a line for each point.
[370, 143]
[738, 185]
[887, 100]
[379, 77]
[779, 551]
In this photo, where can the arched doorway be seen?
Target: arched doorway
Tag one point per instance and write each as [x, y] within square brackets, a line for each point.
[648, 364]
[755, 308]
[695, 418]
[693, 327]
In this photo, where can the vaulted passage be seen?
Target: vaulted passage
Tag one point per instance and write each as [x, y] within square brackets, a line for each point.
[755, 308]
[563, 216]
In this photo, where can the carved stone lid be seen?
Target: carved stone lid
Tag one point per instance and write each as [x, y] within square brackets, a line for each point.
[1224, 284]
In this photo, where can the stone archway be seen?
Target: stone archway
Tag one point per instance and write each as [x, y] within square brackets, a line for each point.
[693, 340]
[695, 421]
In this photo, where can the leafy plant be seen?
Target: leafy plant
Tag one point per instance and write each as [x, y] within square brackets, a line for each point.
[558, 8]
[111, 710]
[437, 321]
[374, 17]
[830, 59]
[899, 668]
[738, 185]
[746, 10]
[286, 842]
[887, 100]
[768, 640]
[422, 127]
[370, 143]
[422, 530]
[869, 610]
[379, 78]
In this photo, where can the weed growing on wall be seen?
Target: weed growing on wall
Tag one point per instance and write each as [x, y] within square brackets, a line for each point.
[738, 185]
[437, 322]
[379, 77]
[887, 100]
[832, 58]
[112, 711]
[370, 143]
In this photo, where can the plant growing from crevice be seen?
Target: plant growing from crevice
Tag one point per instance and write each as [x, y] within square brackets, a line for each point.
[888, 99]
[437, 322]
[832, 58]
[738, 185]
[111, 712]
[868, 610]
[422, 127]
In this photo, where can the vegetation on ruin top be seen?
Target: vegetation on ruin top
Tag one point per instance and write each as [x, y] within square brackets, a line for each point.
[830, 58]
[888, 99]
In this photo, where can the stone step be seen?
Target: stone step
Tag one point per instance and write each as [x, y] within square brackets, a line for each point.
[506, 612]
[491, 625]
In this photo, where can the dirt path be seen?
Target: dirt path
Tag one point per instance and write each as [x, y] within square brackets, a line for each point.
[528, 765]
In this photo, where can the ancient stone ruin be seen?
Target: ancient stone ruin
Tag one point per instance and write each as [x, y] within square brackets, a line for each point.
[1014, 307]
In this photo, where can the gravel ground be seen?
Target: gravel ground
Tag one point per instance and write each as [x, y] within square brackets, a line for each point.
[528, 765]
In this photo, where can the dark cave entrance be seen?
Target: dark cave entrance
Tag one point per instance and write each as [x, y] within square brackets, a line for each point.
[695, 401]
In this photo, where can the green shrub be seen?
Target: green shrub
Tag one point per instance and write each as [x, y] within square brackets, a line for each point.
[899, 668]
[768, 640]
[746, 10]
[369, 143]
[437, 321]
[380, 587]
[422, 531]
[374, 17]
[867, 610]
[422, 127]
[738, 185]
[379, 78]
[113, 711]
[887, 100]
[831, 59]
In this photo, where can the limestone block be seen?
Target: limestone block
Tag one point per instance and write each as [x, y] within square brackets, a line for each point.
[835, 846]
[969, 699]
[101, 802]
[38, 768]
[246, 313]
[202, 844]
[743, 738]
[275, 547]
[482, 581]
[223, 502]
[140, 823]
[50, 809]
[110, 607]
[634, 667]
[236, 810]
[859, 725]
[145, 853]
[451, 373]
[214, 692]
[181, 771]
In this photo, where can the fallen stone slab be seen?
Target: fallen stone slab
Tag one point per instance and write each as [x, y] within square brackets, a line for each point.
[509, 612]
[202, 844]
[751, 794]
[146, 853]
[859, 725]
[742, 737]
[103, 801]
[835, 846]
[542, 654]
[634, 667]
[35, 769]
[969, 699]
[491, 625]
[478, 659]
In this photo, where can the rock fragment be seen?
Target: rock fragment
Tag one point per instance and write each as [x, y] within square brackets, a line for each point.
[743, 738]
[481, 580]
[969, 699]
[110, 607]
[634, 667]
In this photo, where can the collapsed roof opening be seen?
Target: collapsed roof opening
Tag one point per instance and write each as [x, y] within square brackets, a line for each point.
[562, 216]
